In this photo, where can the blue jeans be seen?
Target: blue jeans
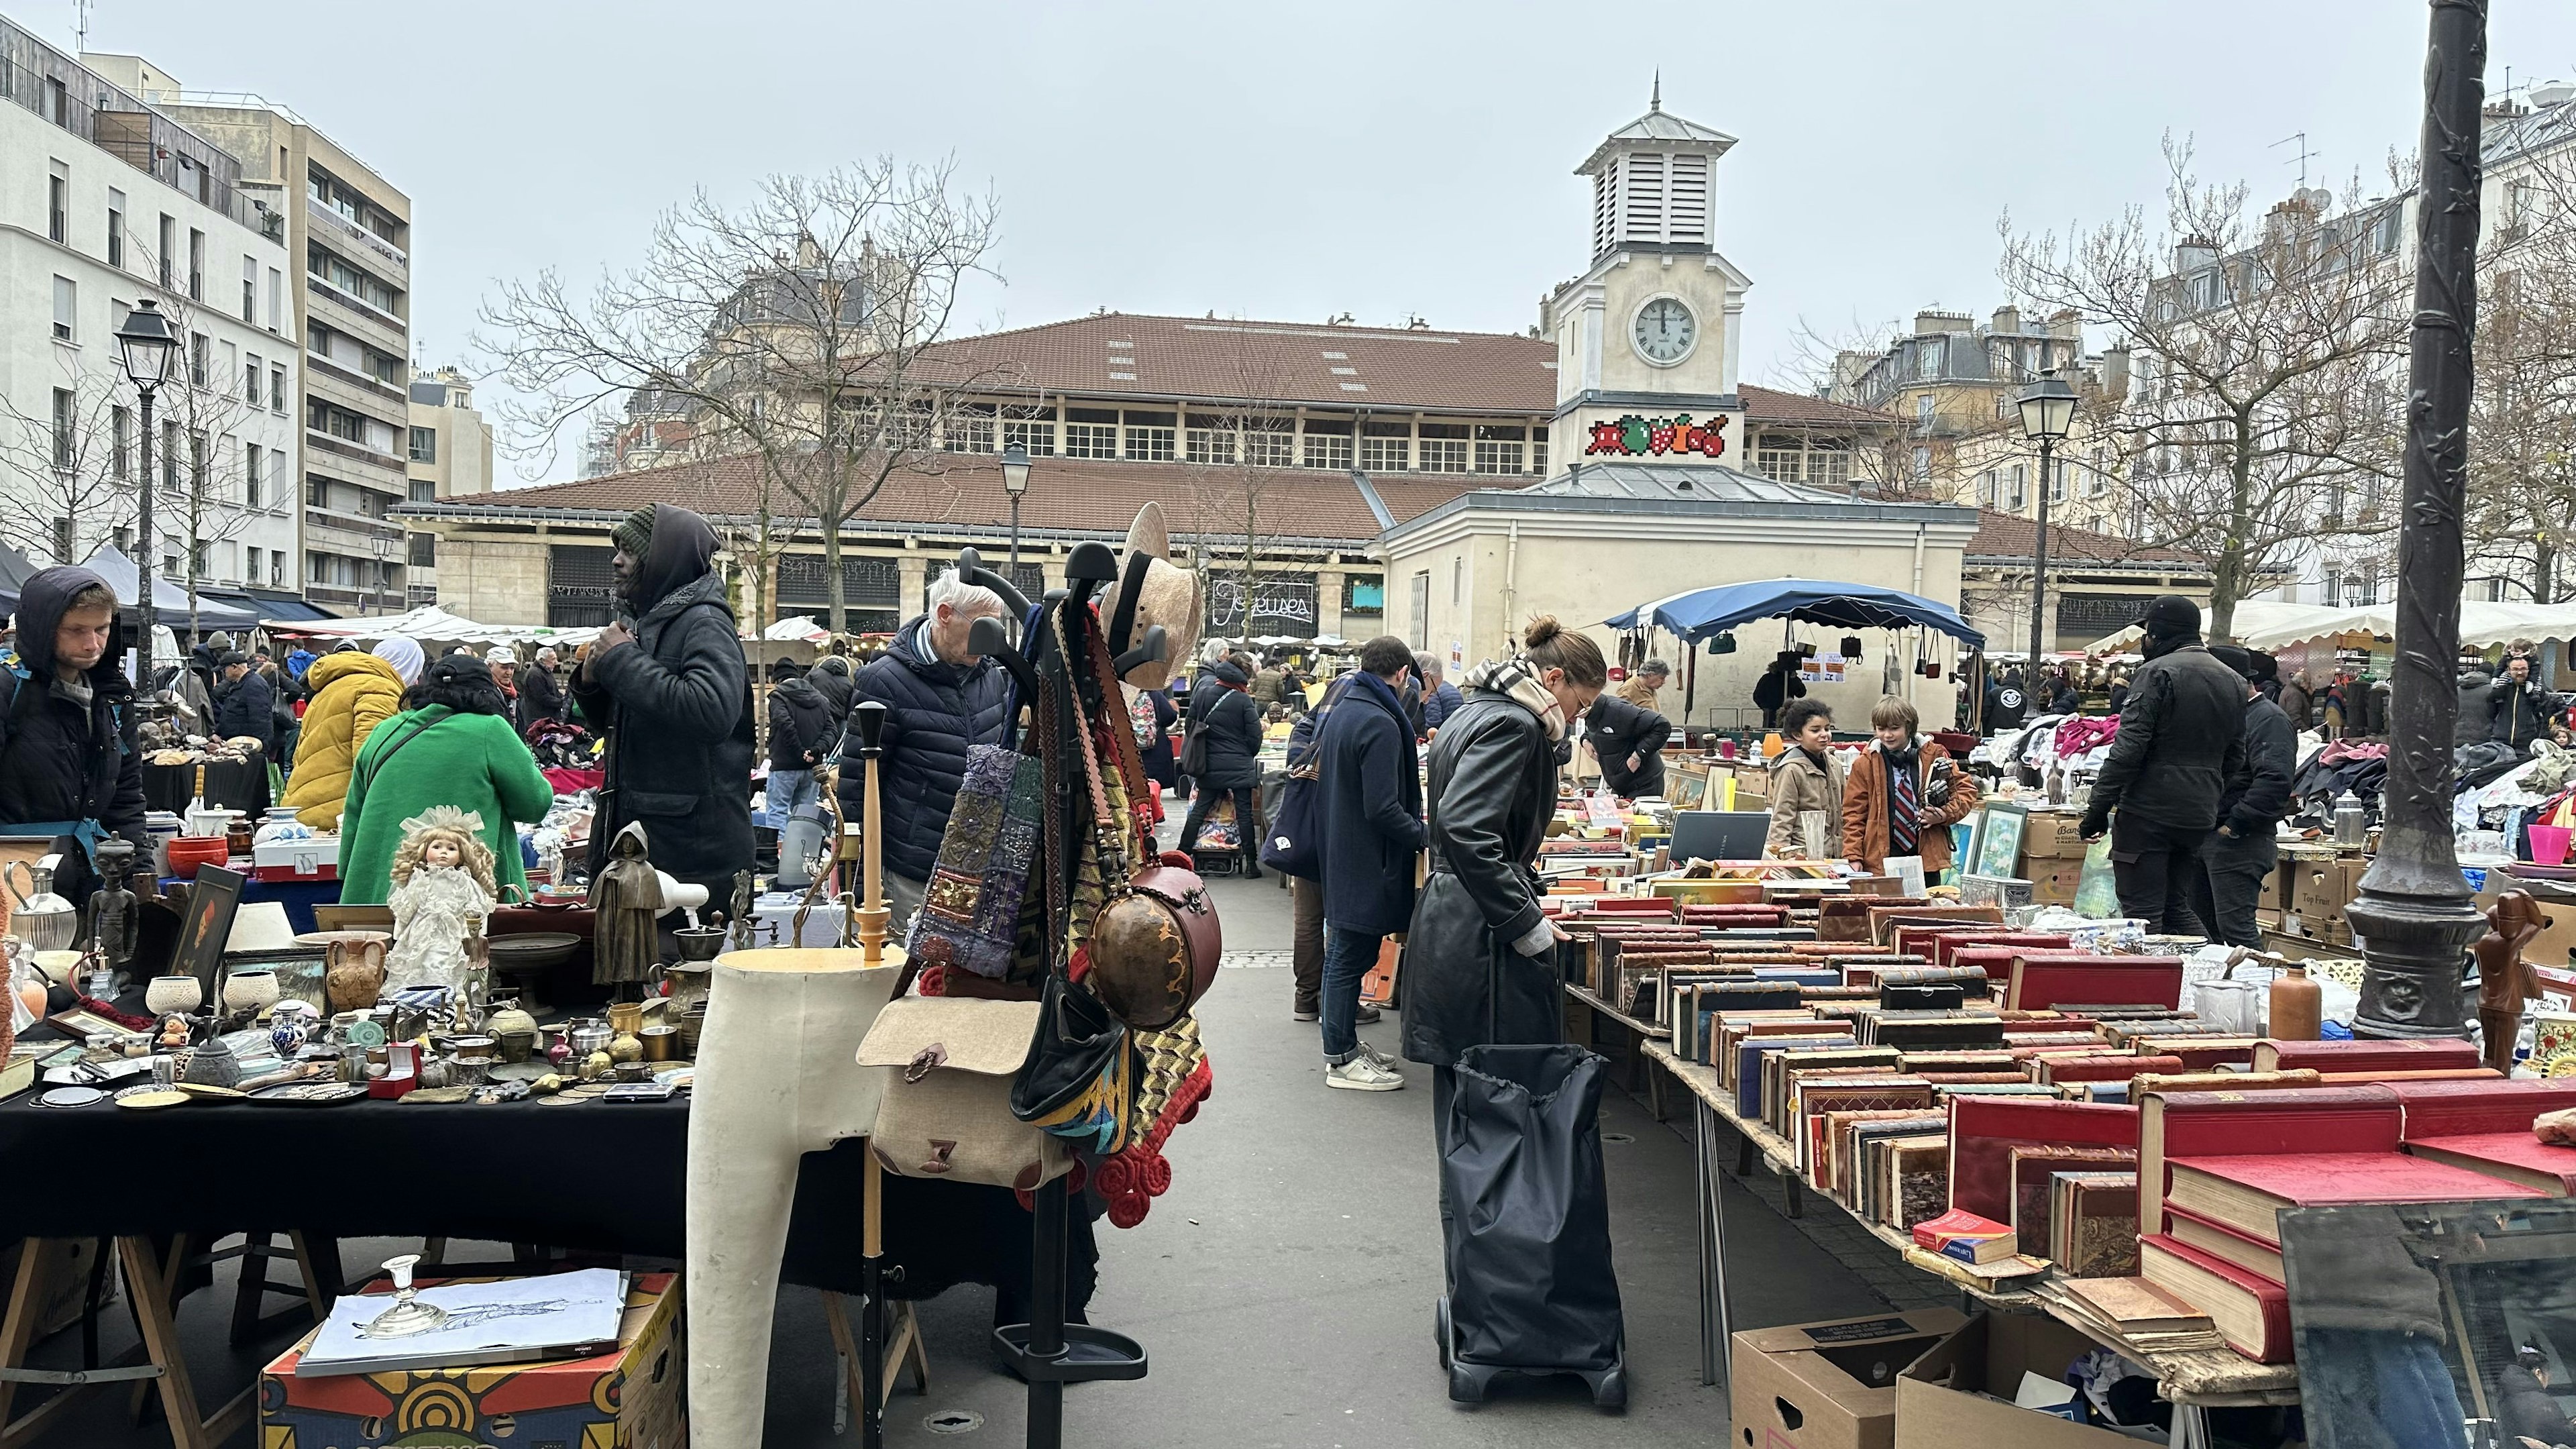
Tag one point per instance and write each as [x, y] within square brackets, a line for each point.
[1348, 955]
[2395, 1383]
[789, 789]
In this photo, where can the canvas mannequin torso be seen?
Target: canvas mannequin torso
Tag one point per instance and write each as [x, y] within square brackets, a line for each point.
[777, 1077]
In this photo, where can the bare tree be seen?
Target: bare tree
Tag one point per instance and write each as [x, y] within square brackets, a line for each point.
[200, 455]
[2266, 359]
[2521, 515]
[1233, 453]
[812, 327]
[66, 464]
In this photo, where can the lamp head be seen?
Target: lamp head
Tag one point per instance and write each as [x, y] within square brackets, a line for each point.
[146, 346]
[1015, 470]
[2048, 408]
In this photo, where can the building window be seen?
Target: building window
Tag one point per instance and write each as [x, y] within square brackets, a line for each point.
[2020, 497]
[115, 228]
[1385, 447]
[66, 309]
[166, 258]
[254, 471]
[277, 388]
[1031, 429]
[1211, 440]
[201, 358]
[1922, 465]
[196, 264]
[1444, 448]
[2057, 481]
[1499, 448]
[424, 551]
[66, 429]
[1923, 410]
[120, 442]
[424, 445]
[1270, 443]
[169, 457]
[317, 490]
[1153, 437]
[1538, 451]
[1781, 462]
[58, 203]
[250, 565]
[1422, 610]
[198, 453]
[250, 380]
[424, 490]
[276, 290]
[1328, 445]
[1091, 440]
[1986, 494]
[58, 102]
[970, 429]
[250, 290]
[1828, 464]
[1927, 358]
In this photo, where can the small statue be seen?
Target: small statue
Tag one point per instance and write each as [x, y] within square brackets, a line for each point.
[742, 910]
[115, 919]
[442, 893]
[626, 896]
[2505, 980]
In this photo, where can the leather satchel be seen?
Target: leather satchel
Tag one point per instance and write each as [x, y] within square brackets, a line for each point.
[946, 1112]
[1154, 947]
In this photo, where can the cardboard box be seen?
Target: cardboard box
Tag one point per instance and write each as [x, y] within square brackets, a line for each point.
[1827, 1385]
[632, 1398]
[2057, 887]
[2324, 887]
[2050, 835]
[312, 858]
[1937, 1403]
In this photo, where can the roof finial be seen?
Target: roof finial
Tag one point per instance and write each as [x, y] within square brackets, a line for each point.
[1657, 102]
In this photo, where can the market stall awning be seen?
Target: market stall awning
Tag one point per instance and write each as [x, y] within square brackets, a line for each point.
[2267, 624]
[15, 570]
[168, 599]
[429, 624]
[1699, 613]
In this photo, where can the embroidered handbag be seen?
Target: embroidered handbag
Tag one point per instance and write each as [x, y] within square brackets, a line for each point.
[970, 908]
[946, 1112]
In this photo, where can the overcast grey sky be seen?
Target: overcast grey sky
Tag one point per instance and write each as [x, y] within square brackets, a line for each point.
[1293, 162]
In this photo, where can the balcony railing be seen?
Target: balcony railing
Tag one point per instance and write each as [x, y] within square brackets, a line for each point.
[341, 226]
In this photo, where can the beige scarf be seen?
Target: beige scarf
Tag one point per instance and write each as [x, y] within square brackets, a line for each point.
[1518, 678]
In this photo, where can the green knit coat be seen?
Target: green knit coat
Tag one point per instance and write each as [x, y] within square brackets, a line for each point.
[471, 761]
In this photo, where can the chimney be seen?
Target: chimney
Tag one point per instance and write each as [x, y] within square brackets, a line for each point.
[2195, 252]
[2115, 373]
[1932, 322]
[2007, 320]
[2068, 323]
[2503, 112]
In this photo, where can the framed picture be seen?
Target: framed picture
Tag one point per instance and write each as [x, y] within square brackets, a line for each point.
[207, 924]
[1687, 789]
[301, 973]
[80, 1024]
[1996, 847]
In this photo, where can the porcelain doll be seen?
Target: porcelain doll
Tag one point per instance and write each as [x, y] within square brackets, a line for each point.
[442, 893]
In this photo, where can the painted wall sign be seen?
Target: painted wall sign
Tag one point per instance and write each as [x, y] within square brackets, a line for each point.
[1636, 437]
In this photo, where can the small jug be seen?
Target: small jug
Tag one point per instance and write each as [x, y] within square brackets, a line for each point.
[355, 971]
[37, 916]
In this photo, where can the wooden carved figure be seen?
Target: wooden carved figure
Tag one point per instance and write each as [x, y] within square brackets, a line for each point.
[2505, 980]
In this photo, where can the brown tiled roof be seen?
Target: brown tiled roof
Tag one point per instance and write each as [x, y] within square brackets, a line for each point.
[2009, 535]
[1766, 405]
[1097, 496]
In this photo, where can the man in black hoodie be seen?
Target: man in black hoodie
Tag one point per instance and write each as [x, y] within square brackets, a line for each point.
[2518, 709]
[670, 690]
[2238, 857]
[802, 731]
[2181, 739]
[69, 765]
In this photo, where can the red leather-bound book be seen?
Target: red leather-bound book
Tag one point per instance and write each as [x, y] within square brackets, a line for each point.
[2460, 1108]
[1985, 1130]
[2511, 1157]
[2250, 1311]
[2043, 980]
[2105, 1068]
[1948, 943]
[2281, 1122]
[2247, 1191]
[2367, 1055]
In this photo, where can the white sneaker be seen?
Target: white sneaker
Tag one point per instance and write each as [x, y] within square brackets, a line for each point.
[1362, 1074]
[1379, 1057]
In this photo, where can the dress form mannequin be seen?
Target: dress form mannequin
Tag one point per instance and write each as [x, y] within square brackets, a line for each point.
[777, 1077]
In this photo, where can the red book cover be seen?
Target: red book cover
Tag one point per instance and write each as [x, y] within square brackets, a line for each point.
[2103, 1068]
[1995, 961]
[1947, 943]
[2408, 1055]
[2336, 1179]
[2471, 1108]
[2207, 1054]
[2209, 1235]
[2514, 1157]
[2294, 1120]
[1985, 1130]
[2250, 1311]
[1957, 1224]
[2045, 980]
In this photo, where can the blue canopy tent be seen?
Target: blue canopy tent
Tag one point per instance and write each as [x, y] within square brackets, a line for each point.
[1702, 613]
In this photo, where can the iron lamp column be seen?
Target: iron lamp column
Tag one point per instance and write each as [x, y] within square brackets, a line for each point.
[146, 347]
[2047, 412]
[1015, 481]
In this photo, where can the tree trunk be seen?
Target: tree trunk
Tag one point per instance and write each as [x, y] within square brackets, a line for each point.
[839, 610]
[2544, 561]
[2226, 581]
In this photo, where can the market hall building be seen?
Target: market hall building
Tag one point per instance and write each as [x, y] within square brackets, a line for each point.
[1369, 469]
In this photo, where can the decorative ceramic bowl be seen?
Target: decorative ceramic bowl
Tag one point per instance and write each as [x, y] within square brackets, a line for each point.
[168, 994]
[252, 989]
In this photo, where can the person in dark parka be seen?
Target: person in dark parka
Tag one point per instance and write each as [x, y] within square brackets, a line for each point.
[2518, 709]
[1371, 784]
[1157, 751]
[245, 706]
[541, 695]
[2181, 739]
[831, 678]
[1232, 723]
[69, 762]
[667, 682]
[2237, 861]
[1629, 742]
[802, 732]
[941, 701]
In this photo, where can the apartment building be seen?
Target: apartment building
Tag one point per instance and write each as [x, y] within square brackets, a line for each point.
[107, 199]
[451, 457]
[348, 232]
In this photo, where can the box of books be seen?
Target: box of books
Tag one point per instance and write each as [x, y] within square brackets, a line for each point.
[627, 1397]
[1828, 1385]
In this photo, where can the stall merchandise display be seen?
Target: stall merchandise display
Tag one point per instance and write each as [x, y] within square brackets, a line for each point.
[442, 897]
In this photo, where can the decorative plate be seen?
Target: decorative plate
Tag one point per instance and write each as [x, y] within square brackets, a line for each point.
[150, 1098]
[71, 1097]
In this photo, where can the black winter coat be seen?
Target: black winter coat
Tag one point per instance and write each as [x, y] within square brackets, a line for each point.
[247, 706]
[2258, 794]
[1232, 723]
[1159, 764]
[677, 704]
[2517, 714]
[2181, 739]
[935, 713]
[1619, 729]
[801, 727]
[540, 696]
[58, 760]
[838, 690]
[1493, 790]
[1371, 810]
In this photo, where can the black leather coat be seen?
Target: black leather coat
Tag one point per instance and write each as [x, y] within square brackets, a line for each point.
[1493, 790]
[2182, 737]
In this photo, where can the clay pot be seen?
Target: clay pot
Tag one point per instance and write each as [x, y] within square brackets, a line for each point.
[355, 975]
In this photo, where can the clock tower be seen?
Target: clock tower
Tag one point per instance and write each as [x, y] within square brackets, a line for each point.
[1647, 338]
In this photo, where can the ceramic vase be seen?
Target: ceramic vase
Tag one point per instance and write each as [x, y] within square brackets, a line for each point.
[168, 995]
[355, 973]
[252, 989]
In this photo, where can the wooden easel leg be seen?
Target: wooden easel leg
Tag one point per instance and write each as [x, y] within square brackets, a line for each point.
[161, 1345]
[316, 1296]
[18, 1329]
[163, 1284]
[905, 1349]
[836, 1317]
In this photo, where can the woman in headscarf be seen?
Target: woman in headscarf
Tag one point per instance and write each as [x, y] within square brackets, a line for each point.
[352, 694]
[454, 746]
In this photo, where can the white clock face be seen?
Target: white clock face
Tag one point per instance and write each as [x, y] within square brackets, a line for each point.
[1665, 331]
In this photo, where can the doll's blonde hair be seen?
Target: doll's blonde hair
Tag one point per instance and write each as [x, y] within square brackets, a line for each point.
[445, 822]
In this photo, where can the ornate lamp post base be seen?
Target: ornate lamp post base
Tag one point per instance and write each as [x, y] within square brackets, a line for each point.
[2416, 938]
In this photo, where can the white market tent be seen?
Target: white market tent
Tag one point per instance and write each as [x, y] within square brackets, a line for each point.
[430, 624]
[2260, 624]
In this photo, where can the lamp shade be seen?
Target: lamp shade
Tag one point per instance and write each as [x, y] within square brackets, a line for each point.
[2048, 408]
[1015, 470]
[146, 345]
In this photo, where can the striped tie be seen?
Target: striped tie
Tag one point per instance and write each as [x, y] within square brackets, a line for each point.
[1903, 813]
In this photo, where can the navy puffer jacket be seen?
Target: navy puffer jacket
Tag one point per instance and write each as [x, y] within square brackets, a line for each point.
[935, 712]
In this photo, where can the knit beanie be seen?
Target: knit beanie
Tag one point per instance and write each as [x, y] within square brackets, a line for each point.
[634, 533]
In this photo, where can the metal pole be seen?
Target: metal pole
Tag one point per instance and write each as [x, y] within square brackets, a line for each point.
[2414, 917]
[2039, 572]
[1015, 538]
[143, 551]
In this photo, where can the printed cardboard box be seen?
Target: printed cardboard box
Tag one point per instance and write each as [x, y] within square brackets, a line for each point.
[632, 1398]
[1827, 1385]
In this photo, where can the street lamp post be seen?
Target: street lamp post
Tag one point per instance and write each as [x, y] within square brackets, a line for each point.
[146, 346]
[384, 551]
[2047, 412]
[2414, 917]
[1015, 481]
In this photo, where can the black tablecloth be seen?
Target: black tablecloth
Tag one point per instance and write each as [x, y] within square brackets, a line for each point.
[230, 785]
[594, 1176]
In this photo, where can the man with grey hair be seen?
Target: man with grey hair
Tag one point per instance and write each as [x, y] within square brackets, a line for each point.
[541, 693]
[1439, 696]
[942, 699]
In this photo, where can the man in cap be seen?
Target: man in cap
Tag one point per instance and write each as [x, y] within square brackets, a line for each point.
[69, 764]
[244, 703]
[666, 681]
[2238, 857]
[505, 673]
[2181, 739]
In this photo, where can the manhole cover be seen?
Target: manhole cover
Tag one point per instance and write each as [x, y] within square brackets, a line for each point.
[1617, 1137]
[954, 1421]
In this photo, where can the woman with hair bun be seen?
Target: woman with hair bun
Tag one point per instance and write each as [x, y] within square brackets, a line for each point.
[453, 744]
[1480, 961]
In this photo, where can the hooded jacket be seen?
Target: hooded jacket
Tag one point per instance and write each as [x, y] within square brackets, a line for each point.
[1799, 785]
[63, 759]
[1371, 809]
[835, 685]
[247, 706]
[2519, 713]
[352, 694]
[541, 696]
[2181, 739]
[801, 725]
[2258, 793]
[677, 706]
[2474, 723]
[1867, 799]
[1618, 729]
[935, 713]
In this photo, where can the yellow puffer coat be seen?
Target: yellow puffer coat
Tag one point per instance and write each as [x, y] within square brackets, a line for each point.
[352, 694]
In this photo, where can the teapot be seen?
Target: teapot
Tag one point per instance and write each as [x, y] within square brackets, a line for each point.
[37, 916]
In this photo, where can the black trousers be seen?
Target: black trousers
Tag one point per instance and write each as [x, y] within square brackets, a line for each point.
[2154, 866]
[1247, 816]
[1444, 1086]
[2230, 886]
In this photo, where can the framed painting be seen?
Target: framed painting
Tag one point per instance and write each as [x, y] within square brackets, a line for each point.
[1687, 789]
[206, 924]
[1995, 849]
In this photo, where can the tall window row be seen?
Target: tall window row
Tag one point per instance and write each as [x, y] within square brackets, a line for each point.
[1224, 439]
